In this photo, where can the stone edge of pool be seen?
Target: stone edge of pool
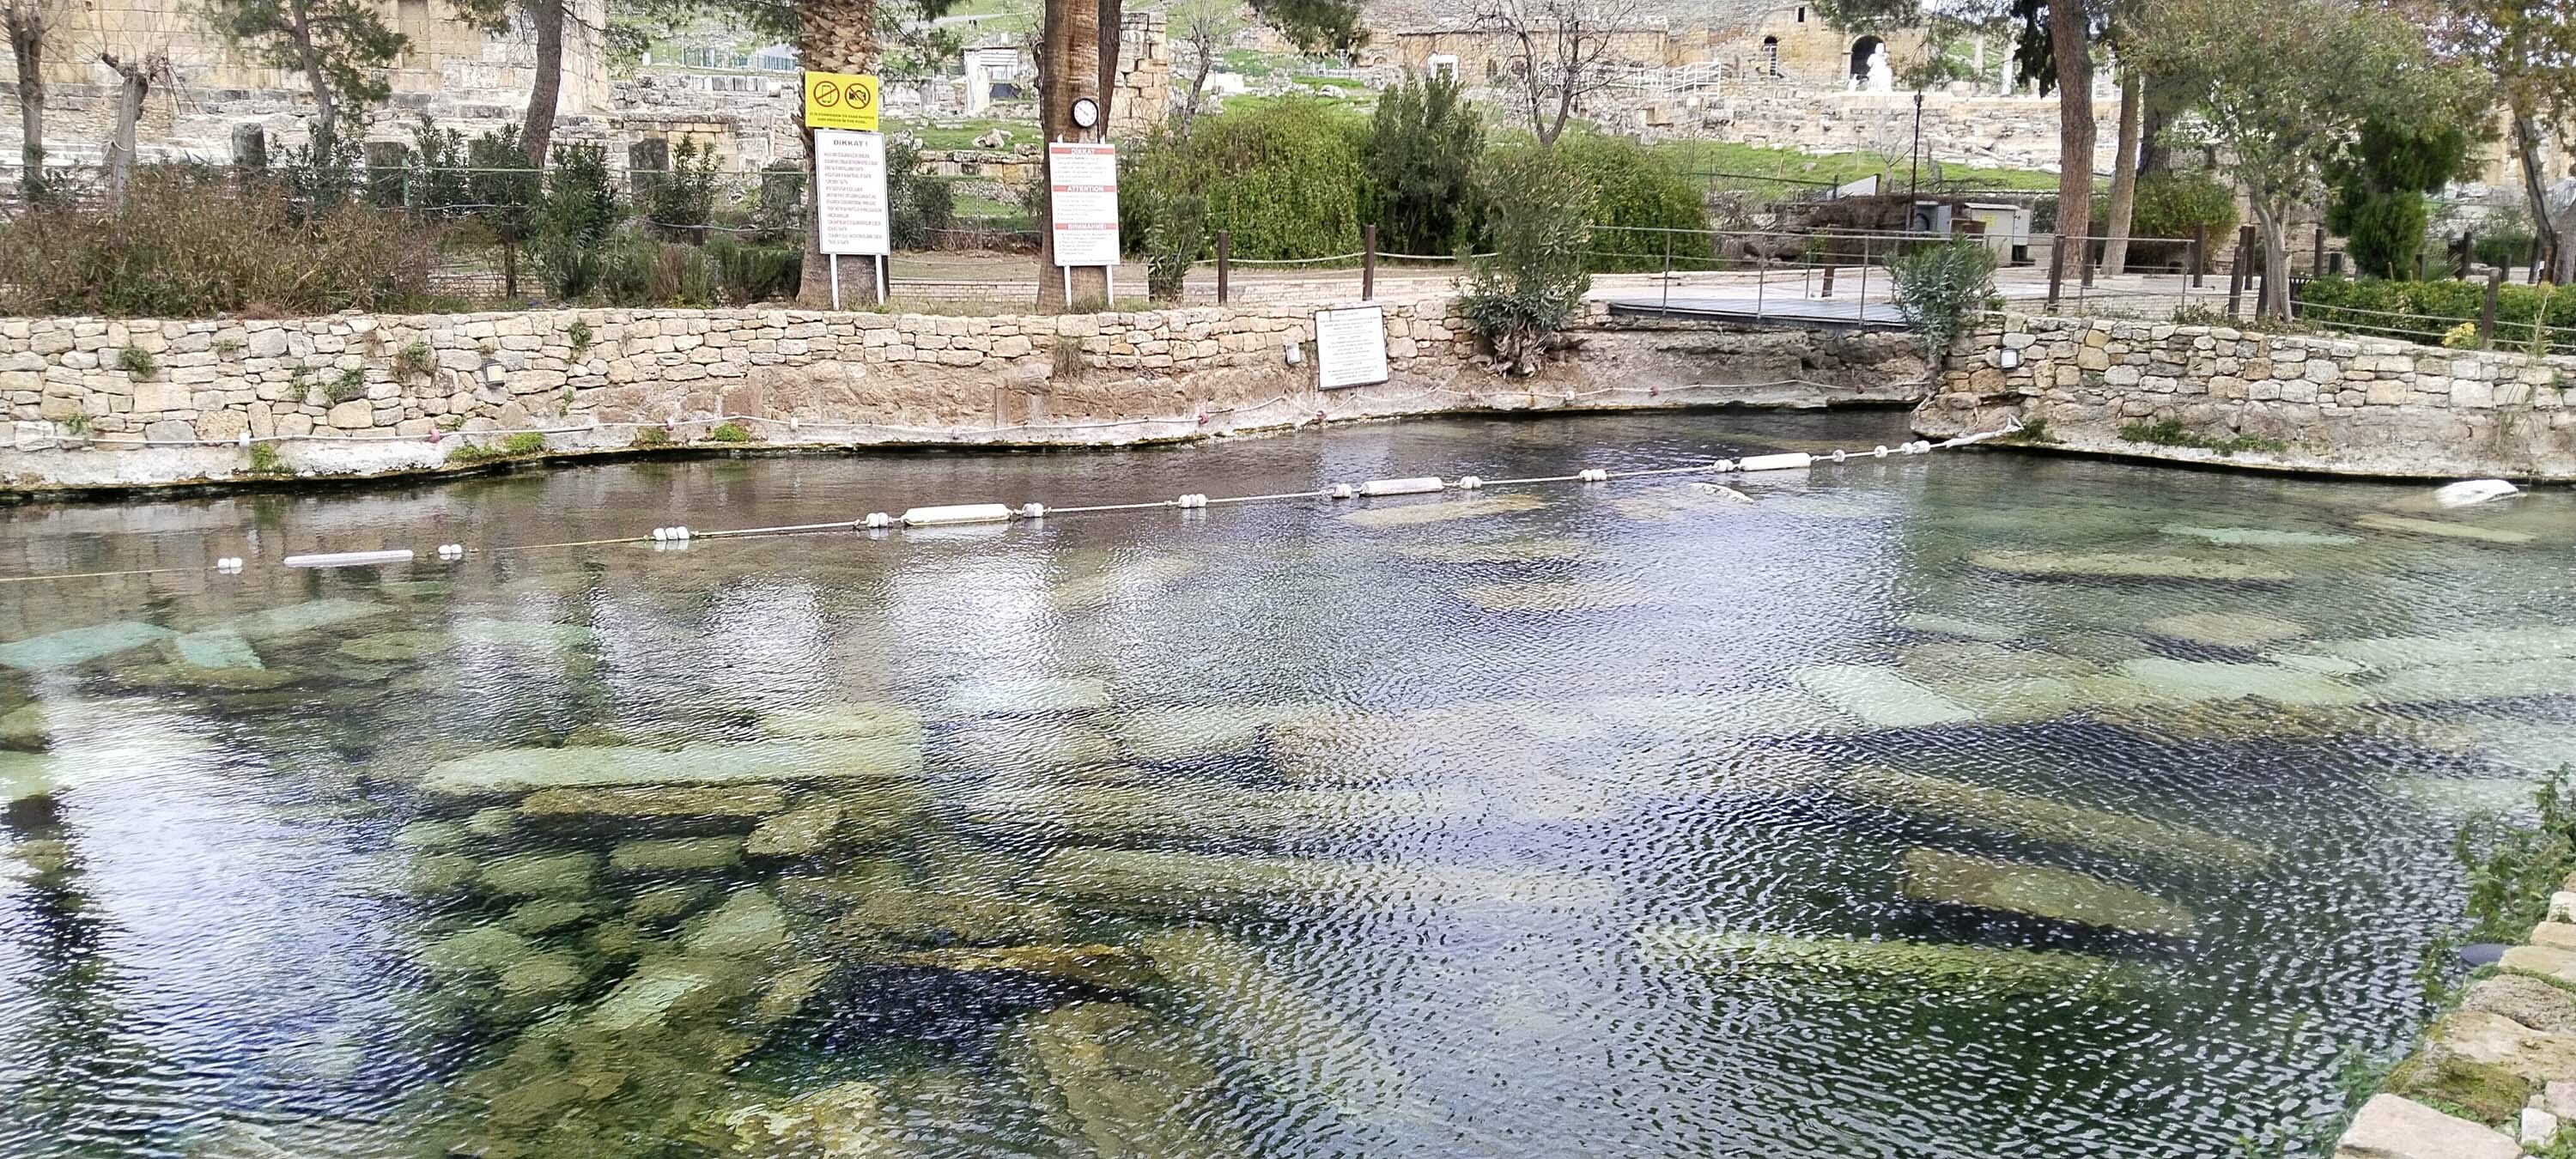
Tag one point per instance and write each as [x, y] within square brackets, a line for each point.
[2483, 1053]
[105, 406]
[2218, 396]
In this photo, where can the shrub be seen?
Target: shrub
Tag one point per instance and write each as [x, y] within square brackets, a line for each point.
[2461, 337]
[1172, 245]
[650, 437]
[264, 460]
[415, 360]
[2171, 433]
[505, 191]
[680, 201]
[2513, 870]
[573, 220]
[1533, 283]
[639, 271]
[2426, 311]
[2379, 190]
[1421, 158]
[756, 273]
[578, 336]
[190, 241]
[1939, 287]
[779, 218]
[347, 386]
[1283, 177]
[137, 362]
[920, 204]
[729, 432]
[1637, 195]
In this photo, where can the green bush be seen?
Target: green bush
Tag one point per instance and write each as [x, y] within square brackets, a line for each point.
[1283, 177]
[756, 273]
[680, 201]
[414, 360]
[1423, 145]
[515, 446]
[1638, 197]
[921, 204]
[2430, 309]
[1172, 245]
[2379, 191]
[2513, 870]
[1939, 288]
[137, 362]
[636, 270]
[191, 241]
[729, 432]
[264, 460]
[1532, 285]
[573, 221]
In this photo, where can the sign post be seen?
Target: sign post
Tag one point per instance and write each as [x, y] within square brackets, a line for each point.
[850, 208]
[1082, 185]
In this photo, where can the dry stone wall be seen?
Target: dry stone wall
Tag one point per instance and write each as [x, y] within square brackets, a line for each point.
[99, 402]
[2296, 402]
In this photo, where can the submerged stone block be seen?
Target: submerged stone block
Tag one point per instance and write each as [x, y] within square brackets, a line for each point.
[1891, 965]
[2042, 819]
[1945, 878]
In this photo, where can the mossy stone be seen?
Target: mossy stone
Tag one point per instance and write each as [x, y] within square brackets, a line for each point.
[666, 854]
[542, 875]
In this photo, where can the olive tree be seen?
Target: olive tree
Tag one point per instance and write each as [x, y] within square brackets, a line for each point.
[340, 47]
[2280, 119]
[2527, 49]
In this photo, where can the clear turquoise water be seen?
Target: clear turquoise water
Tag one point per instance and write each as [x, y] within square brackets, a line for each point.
[1268, 830]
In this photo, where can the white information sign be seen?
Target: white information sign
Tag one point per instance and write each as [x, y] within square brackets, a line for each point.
[1350, 347]
[1082, 181]
[850, 192]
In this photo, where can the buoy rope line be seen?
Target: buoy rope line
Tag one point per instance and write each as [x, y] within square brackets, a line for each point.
[965, 434]
[879, 523]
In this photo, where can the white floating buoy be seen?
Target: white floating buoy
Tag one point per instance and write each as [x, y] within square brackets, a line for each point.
[451, 551]
[2471, 492]
[1722, 466]
[1032, 510]
[1470, 482]
[228, 563]
[1188, 501]
[1789, 461]
[1592, 475]
[957, 513]
[1342, 491]
[1837, 456]
[1878, 452]
[1417, 486]
[349, 558]
[879, 519]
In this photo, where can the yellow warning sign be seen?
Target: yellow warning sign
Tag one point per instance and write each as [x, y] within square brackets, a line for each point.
[840, 100]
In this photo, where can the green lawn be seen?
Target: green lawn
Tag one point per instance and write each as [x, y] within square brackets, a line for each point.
[960, 132]
[1780, 172]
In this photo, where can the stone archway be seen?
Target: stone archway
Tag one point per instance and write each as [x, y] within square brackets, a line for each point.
[1771, 56]
[1861, 50]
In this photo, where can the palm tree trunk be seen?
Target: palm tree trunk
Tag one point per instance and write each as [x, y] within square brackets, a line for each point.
[2124, 172]
[2073, 54]
[831, 36]
[545, 90]
[1068, 50]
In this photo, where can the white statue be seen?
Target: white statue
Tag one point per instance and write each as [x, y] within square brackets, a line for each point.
[1881, 77]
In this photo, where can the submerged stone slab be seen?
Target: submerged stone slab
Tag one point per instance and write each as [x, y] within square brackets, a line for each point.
[481, 949]
[525, 769]
[2393, 1127]
[311, 615]
[2119, 565]
[657, 801]
[2440, 683]
[72, 647]
[2041, 819]
[389, 647]
[1172, 732]
[2474, 646]
[666, 854]
[1442, 510]
[1027, 694]
[1881, 695]
[1946, 878]
[1556, 596]
[844, 720]
[1168, 810]
[2462, 797]
[1933, 623]
[1500, 551]
[532, 635]
[2212, 680]
[1911, 966]
[1106, 967]
[1121, 1081]
[664, 989]
[567, 875]
[2440, 528]
[2259, 536]
[1180, 881]
[2227, 629]
[216, 650]
[749, 922]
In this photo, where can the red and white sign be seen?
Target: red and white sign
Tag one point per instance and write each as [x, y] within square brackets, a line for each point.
[850, 193]
[1082, 182]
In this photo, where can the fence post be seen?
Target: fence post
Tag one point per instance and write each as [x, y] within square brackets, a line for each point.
[1829, 279]
[2056, 270]
[1860, 301]
[2468, 252]
[1368, 263]
[2199, 253]
[2084, 263]
[2487, 316]
[1668, 271]
[2236, 280]
[2317, 257]
[1224, 262]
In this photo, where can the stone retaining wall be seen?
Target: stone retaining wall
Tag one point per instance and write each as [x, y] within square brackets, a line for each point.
[2291, 402]
[99, 402]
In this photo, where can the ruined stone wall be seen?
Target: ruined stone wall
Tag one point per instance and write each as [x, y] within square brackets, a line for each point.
[368, 394]
[2012, 132]
[2296, 402]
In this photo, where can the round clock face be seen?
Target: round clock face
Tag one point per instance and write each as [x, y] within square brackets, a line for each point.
[1086, 112]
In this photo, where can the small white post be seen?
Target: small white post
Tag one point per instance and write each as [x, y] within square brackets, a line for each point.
[883, 276]
[1109, 285]
[835, 261]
